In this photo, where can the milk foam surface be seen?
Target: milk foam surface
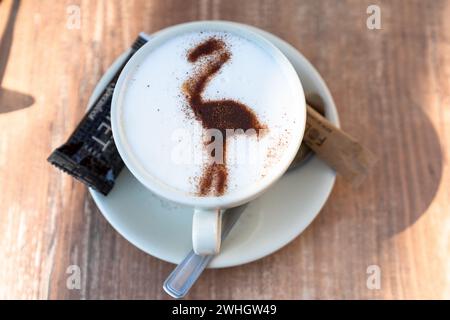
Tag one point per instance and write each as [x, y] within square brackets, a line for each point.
[163, 134]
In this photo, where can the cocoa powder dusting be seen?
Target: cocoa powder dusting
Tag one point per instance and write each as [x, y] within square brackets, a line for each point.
[214, 177]
[205, 49]
[219, 114]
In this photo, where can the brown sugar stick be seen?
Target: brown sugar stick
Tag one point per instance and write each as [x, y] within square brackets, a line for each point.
[338, 149]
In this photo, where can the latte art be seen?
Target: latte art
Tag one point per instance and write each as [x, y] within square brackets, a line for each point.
[221, 114]
[204, 89]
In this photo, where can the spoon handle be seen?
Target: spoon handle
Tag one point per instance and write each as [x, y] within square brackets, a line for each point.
[186, 274]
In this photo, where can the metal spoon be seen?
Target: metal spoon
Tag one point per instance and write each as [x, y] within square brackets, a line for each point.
[189, 270]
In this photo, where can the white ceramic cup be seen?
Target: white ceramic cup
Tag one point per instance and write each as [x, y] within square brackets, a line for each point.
[206, 227]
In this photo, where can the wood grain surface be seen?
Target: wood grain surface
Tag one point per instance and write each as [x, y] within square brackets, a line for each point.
[392, 89]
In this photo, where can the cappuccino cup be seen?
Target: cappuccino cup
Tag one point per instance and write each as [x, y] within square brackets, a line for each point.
[208, 114]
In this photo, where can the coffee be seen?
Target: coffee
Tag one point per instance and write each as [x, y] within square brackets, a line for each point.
[200, 81]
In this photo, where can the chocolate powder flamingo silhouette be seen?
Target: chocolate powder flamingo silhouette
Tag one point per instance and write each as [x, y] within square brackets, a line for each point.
[220, 114]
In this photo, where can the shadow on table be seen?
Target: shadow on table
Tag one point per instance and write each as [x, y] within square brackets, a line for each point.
[415, 179]
[10, 100]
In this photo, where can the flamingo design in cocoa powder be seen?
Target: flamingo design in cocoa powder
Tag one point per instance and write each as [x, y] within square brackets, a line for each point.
[220, 114]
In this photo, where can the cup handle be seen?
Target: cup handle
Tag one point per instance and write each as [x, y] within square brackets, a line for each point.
[206, 231]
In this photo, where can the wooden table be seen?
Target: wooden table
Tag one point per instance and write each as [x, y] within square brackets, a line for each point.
[392, 89]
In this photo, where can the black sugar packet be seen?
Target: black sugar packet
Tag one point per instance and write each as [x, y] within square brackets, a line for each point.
[90, 154]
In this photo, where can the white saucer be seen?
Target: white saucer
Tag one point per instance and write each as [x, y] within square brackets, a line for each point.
[163, 229]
